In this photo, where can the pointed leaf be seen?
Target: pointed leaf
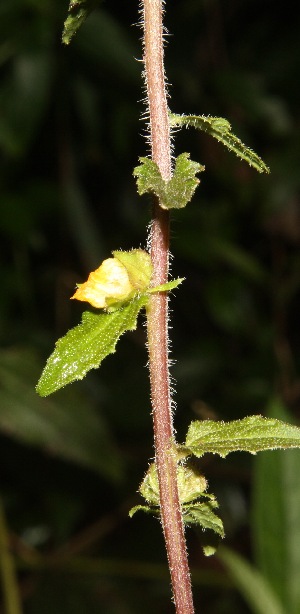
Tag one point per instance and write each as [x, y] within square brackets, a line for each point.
[85, 346]
[250, 434]
[172, 194]
[170, 285]
[78, 11]
[220, 129]
[143, 508]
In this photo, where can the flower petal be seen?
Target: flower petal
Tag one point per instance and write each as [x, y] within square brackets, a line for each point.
[107, 285]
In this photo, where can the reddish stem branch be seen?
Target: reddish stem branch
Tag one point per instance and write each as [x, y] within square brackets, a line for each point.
[157, 315]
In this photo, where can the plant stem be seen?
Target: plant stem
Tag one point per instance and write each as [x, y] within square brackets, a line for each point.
[157, 315]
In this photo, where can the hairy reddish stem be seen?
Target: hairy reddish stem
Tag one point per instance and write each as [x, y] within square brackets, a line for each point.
[157, 315]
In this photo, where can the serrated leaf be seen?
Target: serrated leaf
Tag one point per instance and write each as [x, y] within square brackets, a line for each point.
[200, 514]
[251, 434]
[220, 129]
[203, 515]
[172, 194]
[78, 11]
[85, 346]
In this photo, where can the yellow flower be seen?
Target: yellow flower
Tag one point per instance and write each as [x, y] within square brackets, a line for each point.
[108, 285]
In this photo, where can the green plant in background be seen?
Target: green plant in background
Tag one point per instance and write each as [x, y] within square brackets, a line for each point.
[136, 280]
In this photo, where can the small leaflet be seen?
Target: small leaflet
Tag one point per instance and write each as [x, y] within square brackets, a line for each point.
[172, 194]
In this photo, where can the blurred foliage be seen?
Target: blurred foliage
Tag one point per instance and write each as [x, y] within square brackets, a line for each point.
[70, 136]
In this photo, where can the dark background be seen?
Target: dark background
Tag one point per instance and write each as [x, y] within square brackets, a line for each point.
[70, 134]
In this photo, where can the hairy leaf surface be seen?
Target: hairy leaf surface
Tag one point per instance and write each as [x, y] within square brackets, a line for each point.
[220, 129]
[251, 434]
[85, 346]
[202, 514]
[191, 489]
[170, 285]
[172, 194]
[191, 485]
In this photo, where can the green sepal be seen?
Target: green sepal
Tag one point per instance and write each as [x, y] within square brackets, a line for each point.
[251, 434]
[170, 285]
[172, 194]
[85, 346]
[138, 265]
[78, 11]
[220, 129]
[191, 485]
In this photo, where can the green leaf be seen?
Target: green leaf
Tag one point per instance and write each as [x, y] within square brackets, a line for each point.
[78, 11]
[85, 346]
[255, 589]
[276, 513]
[202, 514]
[191, 486]
[220, 129]
[172, 194]
[250, 434]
